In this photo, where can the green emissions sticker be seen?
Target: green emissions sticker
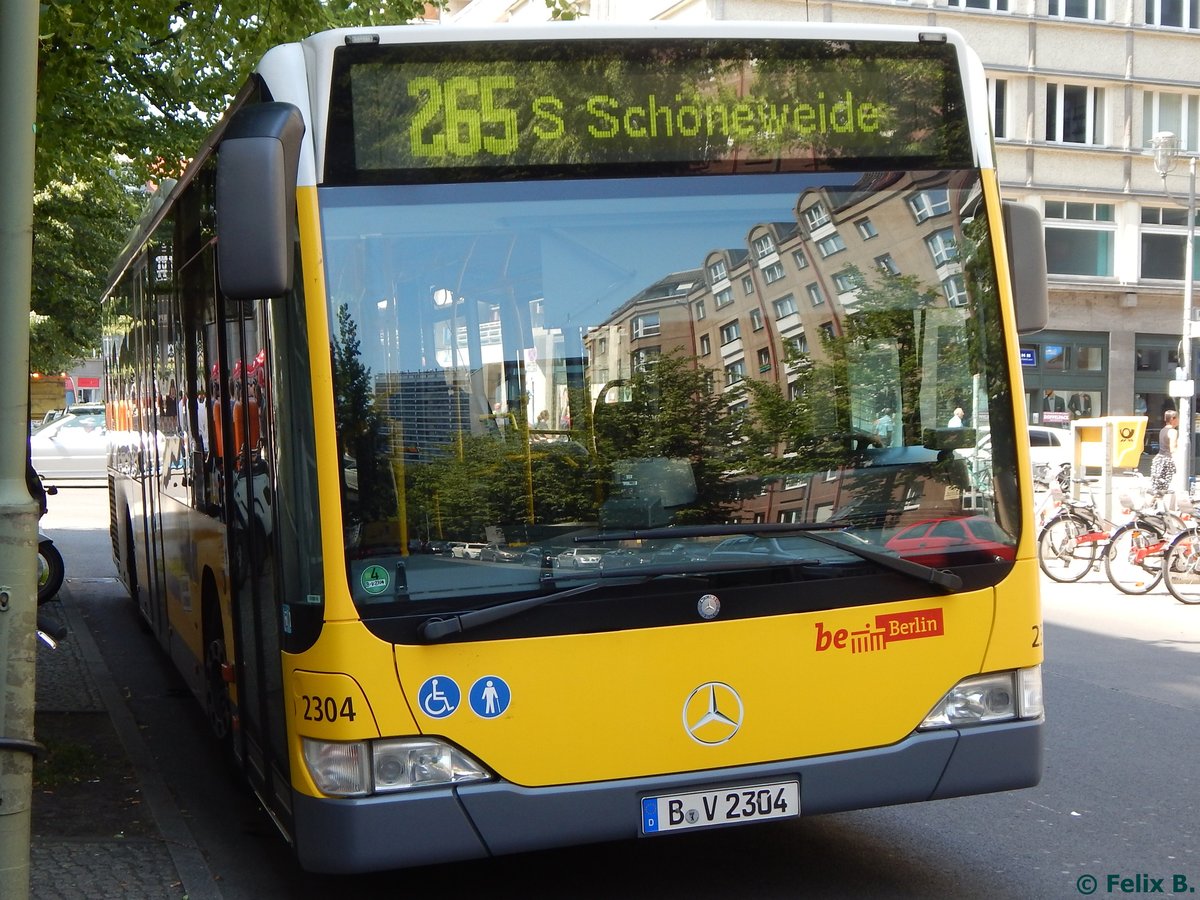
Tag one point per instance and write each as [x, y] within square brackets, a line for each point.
[375, 579]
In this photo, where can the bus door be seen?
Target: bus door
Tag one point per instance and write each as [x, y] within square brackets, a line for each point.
[254, 575]
[145, 452]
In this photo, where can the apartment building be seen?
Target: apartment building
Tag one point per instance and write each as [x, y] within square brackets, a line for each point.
[1077, 88]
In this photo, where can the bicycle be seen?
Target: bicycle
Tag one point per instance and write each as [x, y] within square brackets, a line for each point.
[1136, 550]
[1181, 566]
[1072, 540]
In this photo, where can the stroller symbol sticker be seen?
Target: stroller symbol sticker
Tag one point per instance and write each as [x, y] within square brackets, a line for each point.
[439, 696]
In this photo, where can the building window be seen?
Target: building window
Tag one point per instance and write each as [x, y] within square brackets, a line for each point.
[773, 272]
[1177, 113]
[602, 346]
[955, 289]
[764, 246]
[831, 245]
[731, 331]
[1074, 114]
[827, 327]
[942, 246]
[815, 216]
[998, 101]
[887, 264]
[785, 306]
[1089, 359]
[1078, 9]
[928, 204]
[646, 325]
[844, 282]
[723, 297]
[700, 311]
[1172, 13]
[643, 359]
[1164, 239]
[756, 319]
[735, 372]
[764, 360]
[717, 272]
[747, 285]
[1079, 238]
[866, 230]
[801, 260]
[992, 5]
[705, 345]
[798, 344]
[815, 294]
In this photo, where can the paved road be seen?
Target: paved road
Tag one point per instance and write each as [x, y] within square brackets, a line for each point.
[1119, 796]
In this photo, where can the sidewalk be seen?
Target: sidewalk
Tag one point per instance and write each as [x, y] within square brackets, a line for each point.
[104, 824]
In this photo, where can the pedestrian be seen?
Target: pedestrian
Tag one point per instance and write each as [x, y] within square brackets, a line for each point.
[1162, 467]
[884, 426]
[956, 420]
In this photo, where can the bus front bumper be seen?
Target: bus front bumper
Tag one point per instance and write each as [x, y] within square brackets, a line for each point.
[393, 831]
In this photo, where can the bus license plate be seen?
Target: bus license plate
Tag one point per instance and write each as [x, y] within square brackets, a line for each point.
[727, 806]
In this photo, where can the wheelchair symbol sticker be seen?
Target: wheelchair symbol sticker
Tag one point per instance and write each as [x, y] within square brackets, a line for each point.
[489, 697]
[439, 696]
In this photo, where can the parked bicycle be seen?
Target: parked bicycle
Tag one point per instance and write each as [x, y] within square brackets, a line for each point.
[1181, 565]
[1137, 550]
[1076, 537]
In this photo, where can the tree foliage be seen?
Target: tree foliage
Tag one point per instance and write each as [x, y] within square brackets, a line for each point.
[126, 92]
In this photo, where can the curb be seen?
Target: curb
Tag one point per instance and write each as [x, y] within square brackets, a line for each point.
[192, 869]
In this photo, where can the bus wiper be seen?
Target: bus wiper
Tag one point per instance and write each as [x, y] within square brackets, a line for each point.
[947, 581]
[438, 627]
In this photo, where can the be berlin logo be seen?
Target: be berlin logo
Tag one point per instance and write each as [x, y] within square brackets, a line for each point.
[1134, 884]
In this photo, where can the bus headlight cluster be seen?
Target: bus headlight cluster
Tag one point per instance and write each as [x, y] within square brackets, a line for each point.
[361, 768]
[989, 698]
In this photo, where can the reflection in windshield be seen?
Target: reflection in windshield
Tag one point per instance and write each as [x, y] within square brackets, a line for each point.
[523, 365]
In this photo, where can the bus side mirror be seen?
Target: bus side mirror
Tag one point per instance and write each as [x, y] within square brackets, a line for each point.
[256, 200]
[1026, 241]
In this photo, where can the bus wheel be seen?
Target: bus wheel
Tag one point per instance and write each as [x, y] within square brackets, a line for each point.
[216, 690]
[130, 563]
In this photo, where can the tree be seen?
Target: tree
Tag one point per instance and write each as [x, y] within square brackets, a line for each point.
[125, 95]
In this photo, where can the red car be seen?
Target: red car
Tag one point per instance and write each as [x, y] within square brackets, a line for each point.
[939, 541]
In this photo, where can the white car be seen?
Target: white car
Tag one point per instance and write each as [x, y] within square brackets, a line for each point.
[465, 550]
[1049, 448]
[73, 446]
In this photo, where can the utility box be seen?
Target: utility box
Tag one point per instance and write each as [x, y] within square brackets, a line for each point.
[1108, 442]
[1113, 440]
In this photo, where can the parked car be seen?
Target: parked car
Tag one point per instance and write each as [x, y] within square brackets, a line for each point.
[936, 542]
[538, 557]
[79, 409]
[1049, 448]
[581, 557]
[71, 447]
[497, 552]
[466, 549]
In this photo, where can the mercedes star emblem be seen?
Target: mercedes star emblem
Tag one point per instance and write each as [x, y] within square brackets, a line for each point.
[713, 713]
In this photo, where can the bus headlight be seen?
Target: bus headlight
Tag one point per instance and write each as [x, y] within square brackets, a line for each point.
[409, 763]
[361, 768]
[989, 698]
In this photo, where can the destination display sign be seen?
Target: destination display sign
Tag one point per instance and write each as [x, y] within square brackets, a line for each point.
[691, 105]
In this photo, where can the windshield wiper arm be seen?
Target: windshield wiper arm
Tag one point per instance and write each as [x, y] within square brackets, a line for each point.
[438, 627]
[940, 578]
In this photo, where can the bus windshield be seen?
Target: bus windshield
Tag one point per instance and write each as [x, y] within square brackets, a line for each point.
[525, 369]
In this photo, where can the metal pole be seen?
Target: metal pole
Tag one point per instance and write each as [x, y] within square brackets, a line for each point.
[18, 511]
[1186, 423]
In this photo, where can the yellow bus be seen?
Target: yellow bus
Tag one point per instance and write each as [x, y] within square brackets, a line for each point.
[530, 437]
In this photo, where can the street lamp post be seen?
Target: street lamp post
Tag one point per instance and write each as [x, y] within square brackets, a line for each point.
[1165, 148]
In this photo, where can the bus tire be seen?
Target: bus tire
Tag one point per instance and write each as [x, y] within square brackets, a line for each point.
[217, 704]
